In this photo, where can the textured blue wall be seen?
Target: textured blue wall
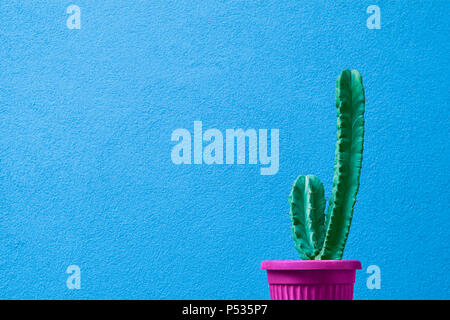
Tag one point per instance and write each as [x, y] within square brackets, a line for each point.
[86, 118]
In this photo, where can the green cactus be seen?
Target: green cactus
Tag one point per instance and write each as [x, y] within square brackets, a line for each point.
[315, 237]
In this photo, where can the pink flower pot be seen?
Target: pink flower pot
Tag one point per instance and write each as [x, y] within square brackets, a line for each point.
[311, 279]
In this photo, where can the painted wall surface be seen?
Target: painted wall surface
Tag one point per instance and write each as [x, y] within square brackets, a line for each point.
[86, 118]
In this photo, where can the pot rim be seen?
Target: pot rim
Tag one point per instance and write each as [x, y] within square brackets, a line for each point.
[311, 265]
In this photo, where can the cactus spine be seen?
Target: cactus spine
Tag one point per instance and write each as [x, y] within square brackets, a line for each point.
[315, 237]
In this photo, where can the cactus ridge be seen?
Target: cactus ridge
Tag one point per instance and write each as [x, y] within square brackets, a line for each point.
[320, 236]
[307, 204]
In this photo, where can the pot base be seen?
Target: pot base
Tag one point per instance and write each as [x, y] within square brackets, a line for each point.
[311, 292]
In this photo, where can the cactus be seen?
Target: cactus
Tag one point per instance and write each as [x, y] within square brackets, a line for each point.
[315, 237]
[307, 206]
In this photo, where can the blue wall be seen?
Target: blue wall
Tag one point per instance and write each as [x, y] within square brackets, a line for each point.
[86, 118]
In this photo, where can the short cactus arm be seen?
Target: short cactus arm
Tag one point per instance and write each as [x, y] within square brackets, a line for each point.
[307, 204]
[348, 158]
